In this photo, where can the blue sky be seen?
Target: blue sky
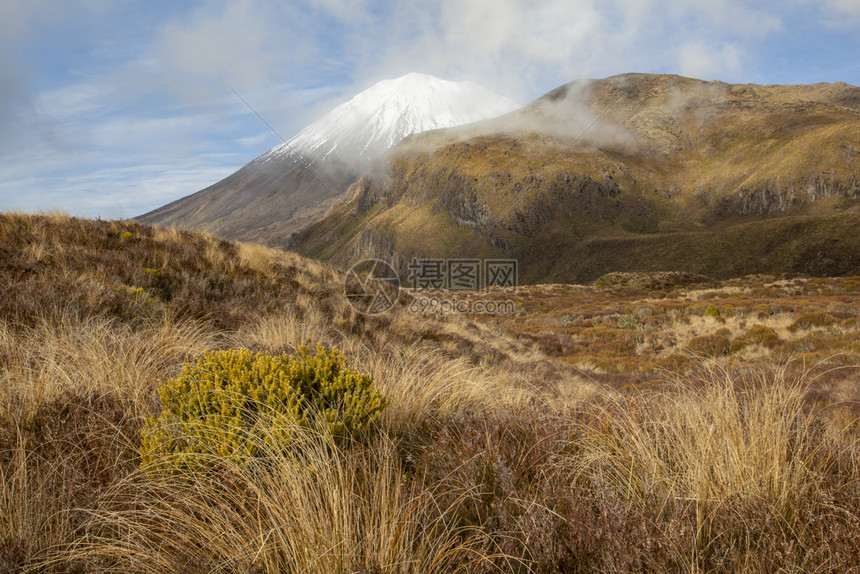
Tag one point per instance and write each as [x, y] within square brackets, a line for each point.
[111, 108]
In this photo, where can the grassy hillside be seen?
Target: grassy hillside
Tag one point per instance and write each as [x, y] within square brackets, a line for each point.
[632, 173]
[495, 453]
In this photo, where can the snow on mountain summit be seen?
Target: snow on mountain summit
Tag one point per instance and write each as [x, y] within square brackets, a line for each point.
[376, 119]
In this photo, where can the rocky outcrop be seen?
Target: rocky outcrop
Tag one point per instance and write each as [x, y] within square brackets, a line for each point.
[775, 197]
[451, 192]
[369, 193]
[460, 200]
[825, 185]
[563, 194]
[533, 201]
[370, 244]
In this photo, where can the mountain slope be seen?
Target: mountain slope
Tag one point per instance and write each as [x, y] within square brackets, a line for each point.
[277, 194]
[635, 172]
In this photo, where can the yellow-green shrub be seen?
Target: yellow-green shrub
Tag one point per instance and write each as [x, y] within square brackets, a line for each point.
[238, 405]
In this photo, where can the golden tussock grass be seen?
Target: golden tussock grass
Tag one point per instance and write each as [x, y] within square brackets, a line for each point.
[64, 354]
[489, 457]
[317, 508]
[709, 440]
[726, 447]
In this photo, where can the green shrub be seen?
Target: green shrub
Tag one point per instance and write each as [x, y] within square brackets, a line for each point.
[239, 405]
[712, 311]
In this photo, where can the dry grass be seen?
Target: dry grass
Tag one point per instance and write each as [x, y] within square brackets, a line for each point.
[762, 480]
[489, 457]
[320, 508]
[285, 330]
[96, 355]
[74, 393]
[710, 441]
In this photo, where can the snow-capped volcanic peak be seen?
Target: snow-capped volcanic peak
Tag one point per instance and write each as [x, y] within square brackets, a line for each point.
[376, 119]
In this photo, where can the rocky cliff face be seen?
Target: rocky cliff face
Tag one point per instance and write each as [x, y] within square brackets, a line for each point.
[567, 194]
[534, 200]
[775, 196]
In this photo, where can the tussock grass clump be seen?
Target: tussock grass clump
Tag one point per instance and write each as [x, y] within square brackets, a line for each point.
[99, 356]
[733, 470]
[318, 507]
[214, 406]
[756, 335]
[729, 437]
[813, 320]
[73, 394]
[713, 345]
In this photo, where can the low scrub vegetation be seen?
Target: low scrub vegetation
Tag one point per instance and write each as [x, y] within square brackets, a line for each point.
[583, 435]
[638, 326]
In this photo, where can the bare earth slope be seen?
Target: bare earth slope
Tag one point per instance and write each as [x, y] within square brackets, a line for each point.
[265, 201]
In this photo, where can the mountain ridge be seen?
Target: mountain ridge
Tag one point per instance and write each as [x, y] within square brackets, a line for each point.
[669, 155]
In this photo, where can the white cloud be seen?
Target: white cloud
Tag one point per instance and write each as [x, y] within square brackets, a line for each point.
[211, 44]
[252, 44]
[112, 192]
[20, 21]
[841, 14]
[71, 101]
[114, 162]
[705, 62]
[848, 7]
[522, 48]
